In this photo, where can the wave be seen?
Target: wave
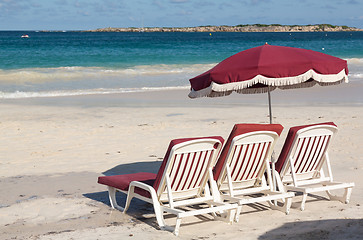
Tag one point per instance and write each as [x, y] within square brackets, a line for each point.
[355, 61]
[75, 81]
[355, 66]
[42, 75]
[76, 73]
[355, 75]
[21, 94]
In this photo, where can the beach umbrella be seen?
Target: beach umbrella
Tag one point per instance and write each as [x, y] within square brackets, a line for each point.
[263, 69]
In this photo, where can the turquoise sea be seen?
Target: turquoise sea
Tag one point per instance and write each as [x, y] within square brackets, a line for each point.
[78, 63]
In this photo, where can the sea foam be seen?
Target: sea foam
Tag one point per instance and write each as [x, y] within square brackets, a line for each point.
[41, 75]
[75, 80]
[20, 94]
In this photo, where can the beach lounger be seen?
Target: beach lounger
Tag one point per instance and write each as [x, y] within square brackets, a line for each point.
[242, 173]
[300, 164]
[181, 181]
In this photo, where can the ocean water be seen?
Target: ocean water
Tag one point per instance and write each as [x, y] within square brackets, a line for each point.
[77, 63]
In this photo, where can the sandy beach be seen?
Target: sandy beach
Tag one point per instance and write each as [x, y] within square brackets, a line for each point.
[53, 150]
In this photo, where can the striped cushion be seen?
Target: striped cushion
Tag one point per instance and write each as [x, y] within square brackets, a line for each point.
[237, 130]
[171, 145]
[288, 143]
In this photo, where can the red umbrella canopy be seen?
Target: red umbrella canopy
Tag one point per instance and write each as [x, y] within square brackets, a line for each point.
[253, 70]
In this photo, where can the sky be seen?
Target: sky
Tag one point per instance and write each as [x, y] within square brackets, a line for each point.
[93, 14]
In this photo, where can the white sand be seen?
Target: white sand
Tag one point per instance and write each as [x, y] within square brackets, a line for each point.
[53, 150]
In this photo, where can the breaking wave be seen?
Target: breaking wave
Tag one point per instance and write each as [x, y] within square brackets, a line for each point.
[41, 75]
[74, 81]
[20, 94]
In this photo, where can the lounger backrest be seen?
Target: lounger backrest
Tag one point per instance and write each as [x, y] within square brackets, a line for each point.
[245, 152]
[306, 146]
[186, 165]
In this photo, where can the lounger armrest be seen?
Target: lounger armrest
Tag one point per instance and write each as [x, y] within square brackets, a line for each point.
[144, 186]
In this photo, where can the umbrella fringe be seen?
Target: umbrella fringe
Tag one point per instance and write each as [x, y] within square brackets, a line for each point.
[255, 90]
[305, 80]
[331, 83]
[299, 85]
[311, 84]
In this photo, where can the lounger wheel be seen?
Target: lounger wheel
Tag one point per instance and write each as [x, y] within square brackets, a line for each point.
[303, 201]
[286, 205]
[344, 199]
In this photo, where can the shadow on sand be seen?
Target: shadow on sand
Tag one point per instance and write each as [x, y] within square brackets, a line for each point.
[121, 169]
[323, 229]
[138, 208]
[152, 166]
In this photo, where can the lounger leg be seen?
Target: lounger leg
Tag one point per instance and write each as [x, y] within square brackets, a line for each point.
[280, 185]
[302, 206]
[112, 197]
[231, 216]
[348, 192]
[228, 216]
[217, 215]
[344, 199]
[158, 209]
[238, 212]
[130, 196]
[159, 215]
[286, 205]
[177, 226]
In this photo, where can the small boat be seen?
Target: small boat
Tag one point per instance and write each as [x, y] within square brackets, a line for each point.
[25, 36]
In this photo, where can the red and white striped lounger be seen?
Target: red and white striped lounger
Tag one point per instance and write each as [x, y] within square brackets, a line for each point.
[300, 164]
[181, 181]
[242, 173]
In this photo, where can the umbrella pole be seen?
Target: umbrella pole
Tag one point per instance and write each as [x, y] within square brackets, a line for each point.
[269, 103]
[273, 153]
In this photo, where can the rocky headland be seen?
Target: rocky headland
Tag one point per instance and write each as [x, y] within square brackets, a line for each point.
[237, 28]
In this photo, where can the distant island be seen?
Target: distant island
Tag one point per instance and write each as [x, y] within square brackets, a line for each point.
[237, 28]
